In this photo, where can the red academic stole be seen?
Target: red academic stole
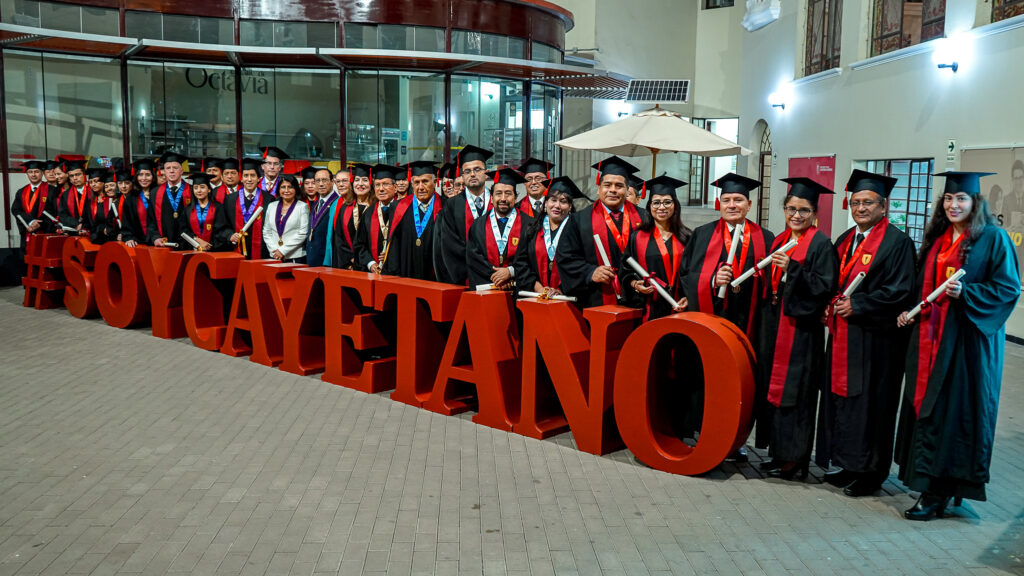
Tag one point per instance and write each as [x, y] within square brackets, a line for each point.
[526, 207]
[255, 231]
[495, 257]
[787, 324]
[669, 261]
[375, 230]
[720, 238]
[469, 214]
[345, 220]
[220, 192]
[161, 193]
[29, 203]
[946, 255]
[140, 207]
[861, 260]
[76, 202]
[601, 221]
[546, 271]
[204, 231]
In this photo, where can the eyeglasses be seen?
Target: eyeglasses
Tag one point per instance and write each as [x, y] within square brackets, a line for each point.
[473, 170]
[535, 179]
[865, 203]
[660, 203]
[803, 212]
[322, 180]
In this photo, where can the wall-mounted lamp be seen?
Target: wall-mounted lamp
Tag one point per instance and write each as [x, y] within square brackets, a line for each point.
[623, 109]
[952, 52]
[782, 96]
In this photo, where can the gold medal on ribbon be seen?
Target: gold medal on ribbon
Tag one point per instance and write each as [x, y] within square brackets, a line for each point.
[419, 242]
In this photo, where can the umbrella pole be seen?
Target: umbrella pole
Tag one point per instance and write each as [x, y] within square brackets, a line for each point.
[654, 165]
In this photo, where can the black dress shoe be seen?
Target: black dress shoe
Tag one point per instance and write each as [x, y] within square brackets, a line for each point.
[862, 487]
[740, 455]
[928, 506]
[840, 478]
[790, 470]
[770, 464]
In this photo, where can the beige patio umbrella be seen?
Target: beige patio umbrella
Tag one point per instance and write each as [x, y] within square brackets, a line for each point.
[651, 132]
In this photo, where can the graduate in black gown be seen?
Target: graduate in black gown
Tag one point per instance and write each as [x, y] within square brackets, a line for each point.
[658, 246]
[167, 208]
[459, 213]
[536, 172]
[581, 269]
[864, 367]
[411, 254]
[135, 213]
[348, 216]
[31, 200]
[240, 206]
[73, 203]
[496, 238]
[103, 218]
[205, 219]
[536, 261]
[373, 237]
[319, 224]
[955, 359]
[792, 341]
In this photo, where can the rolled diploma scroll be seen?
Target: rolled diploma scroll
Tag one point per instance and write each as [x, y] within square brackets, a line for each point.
[22, 220]
[191, 241]
[937, 292]
[525, 295]
[170, 244]
[763, 263]
[853, 284]
[645, 275]
[604, 259]
[732, 254]
[485, 287]
[255, 215]
[57, 222]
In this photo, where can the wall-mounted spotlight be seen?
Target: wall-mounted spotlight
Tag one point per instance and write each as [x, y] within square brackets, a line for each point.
[952, 52]
[623, 109]
[782, 96]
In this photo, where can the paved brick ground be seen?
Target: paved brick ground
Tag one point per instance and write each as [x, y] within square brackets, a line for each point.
[122, 453]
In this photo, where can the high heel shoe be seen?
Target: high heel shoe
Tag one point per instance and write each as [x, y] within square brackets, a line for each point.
[928, 506]
[788, 470]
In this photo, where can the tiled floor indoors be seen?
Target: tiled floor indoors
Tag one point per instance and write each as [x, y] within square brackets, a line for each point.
[121, 453]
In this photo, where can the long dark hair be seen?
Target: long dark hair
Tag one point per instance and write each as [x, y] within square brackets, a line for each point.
[675, 223]
[980, 216]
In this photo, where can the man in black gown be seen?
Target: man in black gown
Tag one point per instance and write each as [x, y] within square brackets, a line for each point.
[495, 239]
[411, 254]
[375, 234]
[459, 212]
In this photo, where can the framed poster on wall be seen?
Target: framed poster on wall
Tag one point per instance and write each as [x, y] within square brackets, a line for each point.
[821, 169]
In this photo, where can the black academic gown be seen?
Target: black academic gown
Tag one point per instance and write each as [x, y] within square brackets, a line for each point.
[735, 307]
[68, 209]
[856, 430]
[236, 220]
[346, 222]
[578, 258]
[319, 225]
[171, 223]
[653, 305]
[452, 235]
[411, 256]
[216, 221]
[478, 265]
[532, 263]
[803, 295]
[30, 210]
[103, 225]
[371, 222]
[135, 218]
[946, 449]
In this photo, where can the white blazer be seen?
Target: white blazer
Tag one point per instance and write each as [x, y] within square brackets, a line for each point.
[293, 243]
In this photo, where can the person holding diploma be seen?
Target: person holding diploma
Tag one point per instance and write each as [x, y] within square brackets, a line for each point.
[536, 262]
[205, 218]
[955, 358]
[287, 223]
[801, 282]
[857, 417]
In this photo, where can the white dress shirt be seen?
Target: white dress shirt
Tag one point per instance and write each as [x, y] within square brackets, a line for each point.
[295, 230]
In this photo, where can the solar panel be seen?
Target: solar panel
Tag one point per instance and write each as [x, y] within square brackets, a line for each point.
[658, 91]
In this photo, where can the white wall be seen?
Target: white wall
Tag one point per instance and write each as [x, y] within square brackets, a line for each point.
[905, 108]
[718, 62]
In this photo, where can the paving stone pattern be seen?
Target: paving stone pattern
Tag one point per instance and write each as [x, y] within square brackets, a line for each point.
[124, 454]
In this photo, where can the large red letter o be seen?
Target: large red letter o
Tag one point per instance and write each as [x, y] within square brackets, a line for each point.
[119, 292]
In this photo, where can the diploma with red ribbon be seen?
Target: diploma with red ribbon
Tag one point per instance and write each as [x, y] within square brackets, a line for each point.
[936, 293]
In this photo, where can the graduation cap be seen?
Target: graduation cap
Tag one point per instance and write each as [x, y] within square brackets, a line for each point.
[420, 168]
[861, 181]
[806, 188]
[470, 154]
[106, 176]
[71, 165]
[507, 176]
[385, 171]
[308, 173]
[445, 171]
[252, 164]
[51, 165]
[211, 162]
[664, 185]
[275, 152]
[96, 173]
[33, 165]
[144, 164]
[533, 165]
[562, 185]
[401, 172]
[171, 157]
[637, 183]
[201, 178]
[733, 183]
[361, 170]
[123, 176]
[615, 166]
[229, 164]
[967, 182]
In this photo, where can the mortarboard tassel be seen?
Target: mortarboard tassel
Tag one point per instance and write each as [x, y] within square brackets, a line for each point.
[718, 203]
[597, 182]
[846, 202]
[643, 191]
[265, 152]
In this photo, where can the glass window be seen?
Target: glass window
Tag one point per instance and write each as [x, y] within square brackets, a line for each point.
[297, 111]
[256, 33]
[824, 19]
[360, 36]
[909, 202]
[544, 123]
[465, 42]
[143, 25]
[545, 53]
[60, 16]
[26, 110]
[100, 21]
[709, 4]
[216, 31]
[21, 12]
[391, 37]
[181, 28]
[362, 136]
[516, 48]
[394, 117]
[429, 39]
[487, 112]
[899, 23]
[1003, 9]
[83, 106]
[322, 34]
[188, 109]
